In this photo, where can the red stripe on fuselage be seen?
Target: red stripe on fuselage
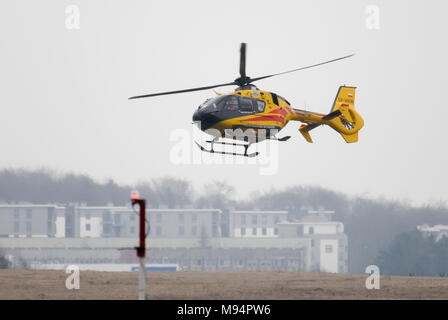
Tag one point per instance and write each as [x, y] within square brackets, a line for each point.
[266, 118]
[279, 111]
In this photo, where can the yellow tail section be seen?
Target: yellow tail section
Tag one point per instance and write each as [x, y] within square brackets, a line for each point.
[350, 121]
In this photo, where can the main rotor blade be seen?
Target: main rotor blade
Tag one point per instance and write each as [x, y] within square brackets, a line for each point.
[243, 61]
[181, 91]
[314, 65]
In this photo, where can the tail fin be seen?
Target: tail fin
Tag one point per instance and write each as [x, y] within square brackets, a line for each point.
[350, 121]
[344, 97]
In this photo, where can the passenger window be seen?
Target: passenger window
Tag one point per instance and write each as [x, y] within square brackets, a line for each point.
[231, 103]
[246, 105]
[260, 106]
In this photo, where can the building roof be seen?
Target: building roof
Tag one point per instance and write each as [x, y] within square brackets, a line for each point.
[260, 212]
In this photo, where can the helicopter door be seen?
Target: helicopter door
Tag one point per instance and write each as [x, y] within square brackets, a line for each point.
[231, 103]
[246, 105]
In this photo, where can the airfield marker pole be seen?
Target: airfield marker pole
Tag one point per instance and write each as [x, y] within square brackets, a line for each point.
[141, 249]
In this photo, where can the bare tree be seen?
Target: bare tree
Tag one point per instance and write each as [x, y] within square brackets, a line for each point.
[173, 192]
[217, 194]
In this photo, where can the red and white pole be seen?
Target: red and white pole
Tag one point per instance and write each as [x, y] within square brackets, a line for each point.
[141, 249]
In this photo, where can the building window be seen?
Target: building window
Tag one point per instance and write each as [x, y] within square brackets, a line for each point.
[312, 243]
[243, 219]
[215, 231]
[28, 228]
[107, 229]
[181, 218]
[276, 219]
[328, 248]
[300, 230]
[28, 213]
[16, 213]
[117, 218]
[132, 230]
[310, 230]
[194, 218]
[87, 226]
[254, 219]
[16, 227]
[243, 231]
[276, 231]
[132, 217]
[158, 230]
[194, 230]
[254, 231]
[264, 220]
[159, 218]
[88, 216]
[107, 217]
[264, 231]
[181, 231]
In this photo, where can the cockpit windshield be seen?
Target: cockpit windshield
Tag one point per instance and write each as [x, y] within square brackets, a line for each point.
[212, 104]
[232, 103]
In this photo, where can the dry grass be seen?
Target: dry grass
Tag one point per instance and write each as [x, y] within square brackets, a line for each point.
[44, 284]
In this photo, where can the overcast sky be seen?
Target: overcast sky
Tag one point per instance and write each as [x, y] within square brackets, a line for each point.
[64, 91]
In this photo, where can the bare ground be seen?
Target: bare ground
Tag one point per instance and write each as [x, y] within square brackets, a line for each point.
[45, 284]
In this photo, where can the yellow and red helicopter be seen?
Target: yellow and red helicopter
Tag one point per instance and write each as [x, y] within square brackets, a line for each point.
[257, 115]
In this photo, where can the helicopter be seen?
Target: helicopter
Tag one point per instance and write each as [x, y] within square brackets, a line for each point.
[251, 115]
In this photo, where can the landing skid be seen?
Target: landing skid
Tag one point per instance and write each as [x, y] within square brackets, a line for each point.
[245, 145]
[245, 154]
[281, 139]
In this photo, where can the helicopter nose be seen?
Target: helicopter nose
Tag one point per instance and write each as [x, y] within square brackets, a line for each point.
[197, 116]
[206, 120]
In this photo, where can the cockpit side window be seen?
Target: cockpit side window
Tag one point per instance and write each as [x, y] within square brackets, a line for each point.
[246, 105]
[231, 103]
[260, 105]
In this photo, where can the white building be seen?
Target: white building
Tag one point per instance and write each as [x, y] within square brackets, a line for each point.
[328, 242]
[438, 231]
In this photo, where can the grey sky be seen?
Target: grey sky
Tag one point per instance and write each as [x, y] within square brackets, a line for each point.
[64, 92]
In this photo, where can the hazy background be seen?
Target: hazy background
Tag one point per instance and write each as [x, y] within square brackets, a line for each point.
[63, 93]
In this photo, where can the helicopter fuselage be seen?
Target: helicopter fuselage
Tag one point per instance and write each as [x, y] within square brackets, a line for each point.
[250, 109]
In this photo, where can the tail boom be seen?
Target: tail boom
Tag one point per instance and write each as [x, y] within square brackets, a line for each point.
[343, 117]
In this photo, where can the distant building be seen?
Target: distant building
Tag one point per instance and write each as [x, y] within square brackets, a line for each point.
[28, 220]
[123, 222]
[328, 242]
[196, 239]
[255, 224]
[438, 231]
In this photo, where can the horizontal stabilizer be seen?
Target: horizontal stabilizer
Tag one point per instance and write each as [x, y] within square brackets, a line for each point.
[332, 115]
[284, 138]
